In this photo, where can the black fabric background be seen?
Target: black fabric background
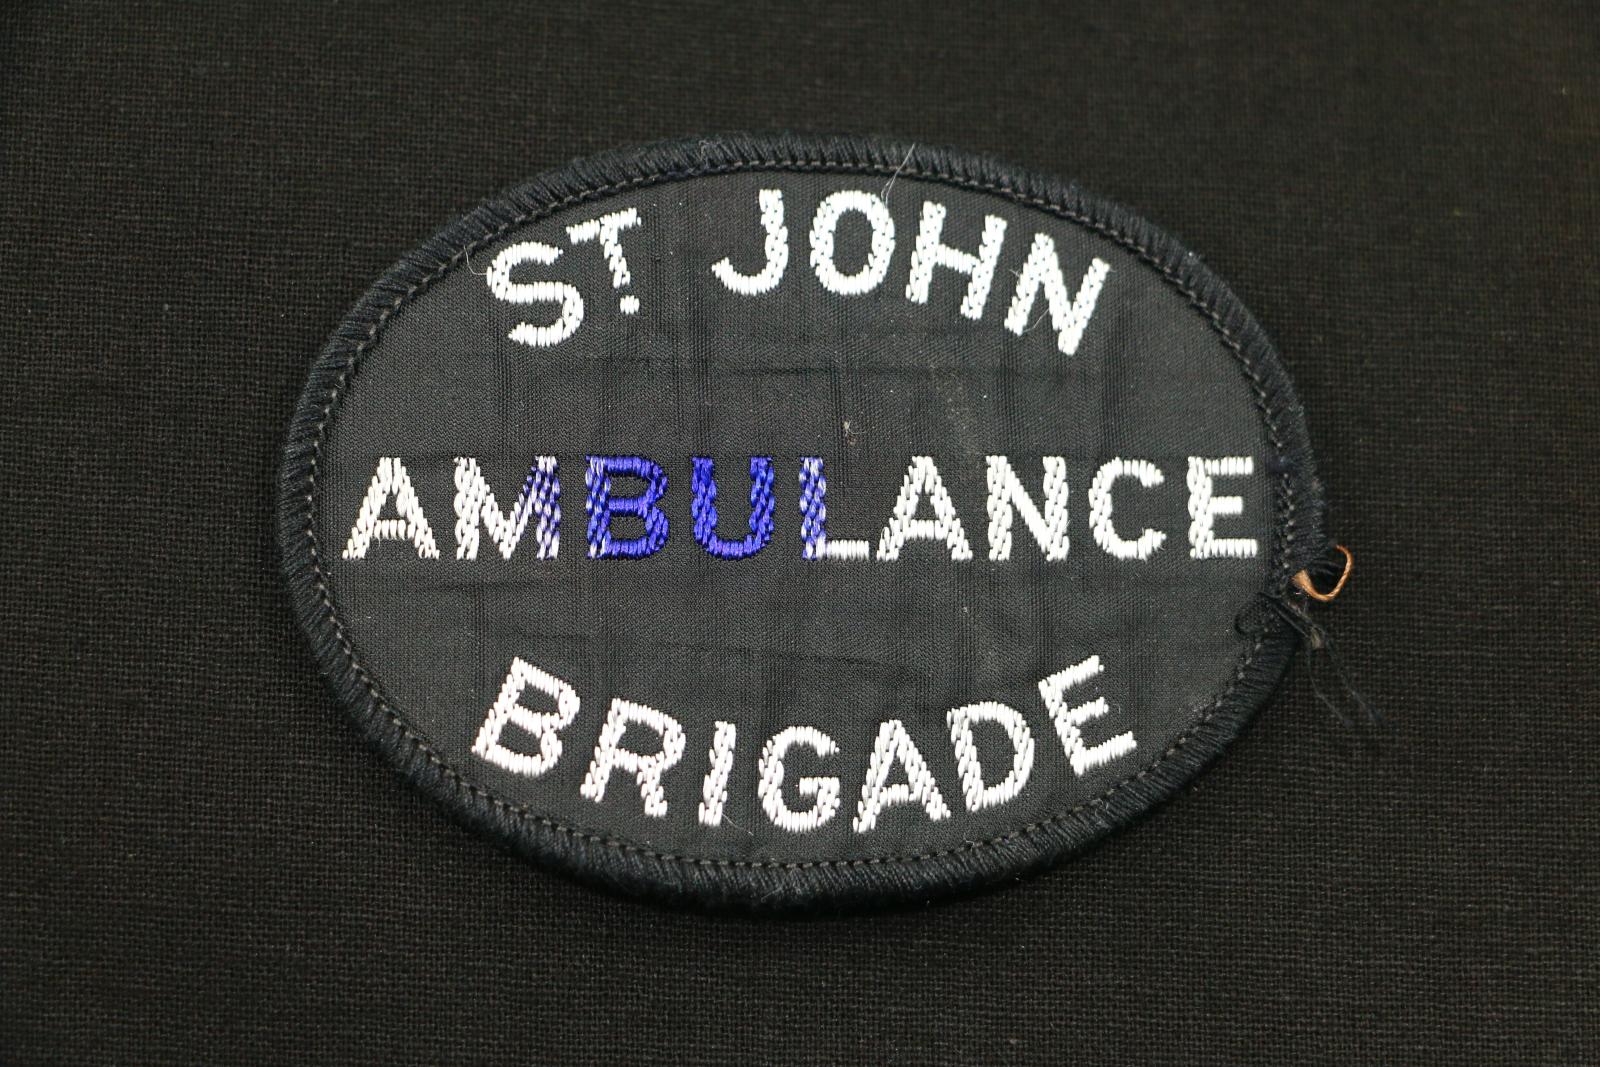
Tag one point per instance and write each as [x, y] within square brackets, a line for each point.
[201, 863]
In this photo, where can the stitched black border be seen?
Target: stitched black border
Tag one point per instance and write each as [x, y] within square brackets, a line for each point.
[1298, 537]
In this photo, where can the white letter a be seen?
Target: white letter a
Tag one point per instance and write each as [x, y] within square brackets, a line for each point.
[412, 525]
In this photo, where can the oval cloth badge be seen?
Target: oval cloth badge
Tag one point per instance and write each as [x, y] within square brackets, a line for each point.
[782, 520]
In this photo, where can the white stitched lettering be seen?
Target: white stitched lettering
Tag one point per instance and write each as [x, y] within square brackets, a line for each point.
[777, 250]
[714, 790]
[646, 769]
[1068, 316]
[537, 505]
[607, 229]
[1205, 506]
[1006, 492]
[543, 292]
[931, 251]
[977, 795]
[1069, 721]
[769, 787]
[844, 550]
[1105, 533]
[826, 221]
[543, 725]
[903, 525]
[412, 525]
[893, 746]
[476, 506]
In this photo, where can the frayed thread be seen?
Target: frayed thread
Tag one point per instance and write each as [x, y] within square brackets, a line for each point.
[1340, 695]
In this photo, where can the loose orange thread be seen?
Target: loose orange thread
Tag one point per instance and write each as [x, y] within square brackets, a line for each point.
[1303, 579]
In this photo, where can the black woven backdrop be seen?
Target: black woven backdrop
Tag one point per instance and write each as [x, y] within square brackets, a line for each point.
[199, 862]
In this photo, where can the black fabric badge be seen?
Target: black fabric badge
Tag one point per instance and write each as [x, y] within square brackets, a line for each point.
[779, 520]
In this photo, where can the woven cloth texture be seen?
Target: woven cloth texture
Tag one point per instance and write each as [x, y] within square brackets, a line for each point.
[200, 862]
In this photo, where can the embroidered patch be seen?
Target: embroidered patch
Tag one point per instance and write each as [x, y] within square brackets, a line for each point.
[781, 520]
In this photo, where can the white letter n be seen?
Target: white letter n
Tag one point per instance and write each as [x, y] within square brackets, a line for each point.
[1006, 492]
[1068, 316]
